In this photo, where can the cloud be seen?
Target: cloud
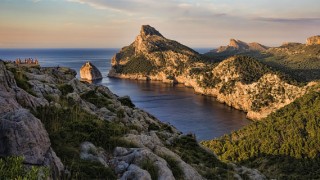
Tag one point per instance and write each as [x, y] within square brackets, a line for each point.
[288, 20]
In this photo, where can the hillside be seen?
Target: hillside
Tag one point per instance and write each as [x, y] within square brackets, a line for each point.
[238, 81]
[285, 145]
[299, 60]
[75, 130]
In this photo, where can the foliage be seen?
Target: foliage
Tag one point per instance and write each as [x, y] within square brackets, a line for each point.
[136, 64]
[13, 168]
[22, 79]
[126, 101]
[287, 141]
[69, 126]
[65, 89]
[300, 61]
[98, 99]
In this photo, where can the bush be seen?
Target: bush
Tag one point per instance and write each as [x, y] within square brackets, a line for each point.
[65, 89]
[13, 168]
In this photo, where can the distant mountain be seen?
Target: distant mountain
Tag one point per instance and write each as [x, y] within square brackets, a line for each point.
[239, 81]
[236, 47]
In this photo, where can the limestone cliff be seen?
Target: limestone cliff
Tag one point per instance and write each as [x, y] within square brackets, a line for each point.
[90, 72]
[314, 40]
[240, 82]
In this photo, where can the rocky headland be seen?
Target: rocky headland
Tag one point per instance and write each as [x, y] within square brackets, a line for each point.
[238, 81]
[84, 131]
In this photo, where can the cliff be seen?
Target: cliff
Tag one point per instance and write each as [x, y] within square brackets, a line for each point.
[314, 40]
[48, 115]
[240, 82]
[90, 72]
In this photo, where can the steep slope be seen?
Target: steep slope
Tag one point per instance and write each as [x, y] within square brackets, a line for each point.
[97, 134]
[286, 145]
[240, 82]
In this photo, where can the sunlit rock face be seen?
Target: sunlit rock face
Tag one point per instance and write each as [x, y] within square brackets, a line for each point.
[90, 72]
[314, 40]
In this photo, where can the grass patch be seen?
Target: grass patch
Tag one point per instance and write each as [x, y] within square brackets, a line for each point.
[13, 168]
[149, 166]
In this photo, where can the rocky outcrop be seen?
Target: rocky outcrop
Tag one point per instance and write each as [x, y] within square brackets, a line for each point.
[259, 97]
[22, 134]
[90, 72]
[240, 46]
[314, 40]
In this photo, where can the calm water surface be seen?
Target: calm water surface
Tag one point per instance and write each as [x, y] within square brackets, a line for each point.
[176, 104]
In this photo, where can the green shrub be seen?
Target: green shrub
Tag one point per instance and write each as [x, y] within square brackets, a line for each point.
[65, 89]
[126, 101]
[13, 168]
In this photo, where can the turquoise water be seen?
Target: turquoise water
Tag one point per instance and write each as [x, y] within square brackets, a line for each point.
[176, 104]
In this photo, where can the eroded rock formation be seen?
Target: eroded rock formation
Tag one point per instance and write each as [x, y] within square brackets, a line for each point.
[90, 72]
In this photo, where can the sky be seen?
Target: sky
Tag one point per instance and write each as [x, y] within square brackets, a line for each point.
[116, 23]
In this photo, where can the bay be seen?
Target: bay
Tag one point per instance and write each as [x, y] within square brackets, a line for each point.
[175, 104]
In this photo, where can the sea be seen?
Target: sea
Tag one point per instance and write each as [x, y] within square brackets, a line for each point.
[177, 105]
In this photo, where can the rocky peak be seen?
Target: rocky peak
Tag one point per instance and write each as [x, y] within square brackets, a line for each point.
[147, 30]
[237, 44]
[314, 40]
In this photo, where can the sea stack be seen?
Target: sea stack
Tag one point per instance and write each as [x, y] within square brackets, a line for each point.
[90, 72]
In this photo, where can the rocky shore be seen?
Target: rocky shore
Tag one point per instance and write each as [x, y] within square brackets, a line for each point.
[53, 120]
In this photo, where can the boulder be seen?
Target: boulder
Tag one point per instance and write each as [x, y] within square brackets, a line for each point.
[90, 72]
[314, 40]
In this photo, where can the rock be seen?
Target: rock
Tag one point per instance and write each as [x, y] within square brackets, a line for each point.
[135, 157]
[314, 40]
[91, 153]
[90, 72]
[135, 173]
[22, 134]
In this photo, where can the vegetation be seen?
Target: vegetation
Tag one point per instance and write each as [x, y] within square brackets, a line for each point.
[300, 61]
[205, 163]
[149, 166]
[22, 79]
[13, 168]
[126, 101]
[284, 145]
[174, 167]
[136, 64]
[69, 126]
[65, 89]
